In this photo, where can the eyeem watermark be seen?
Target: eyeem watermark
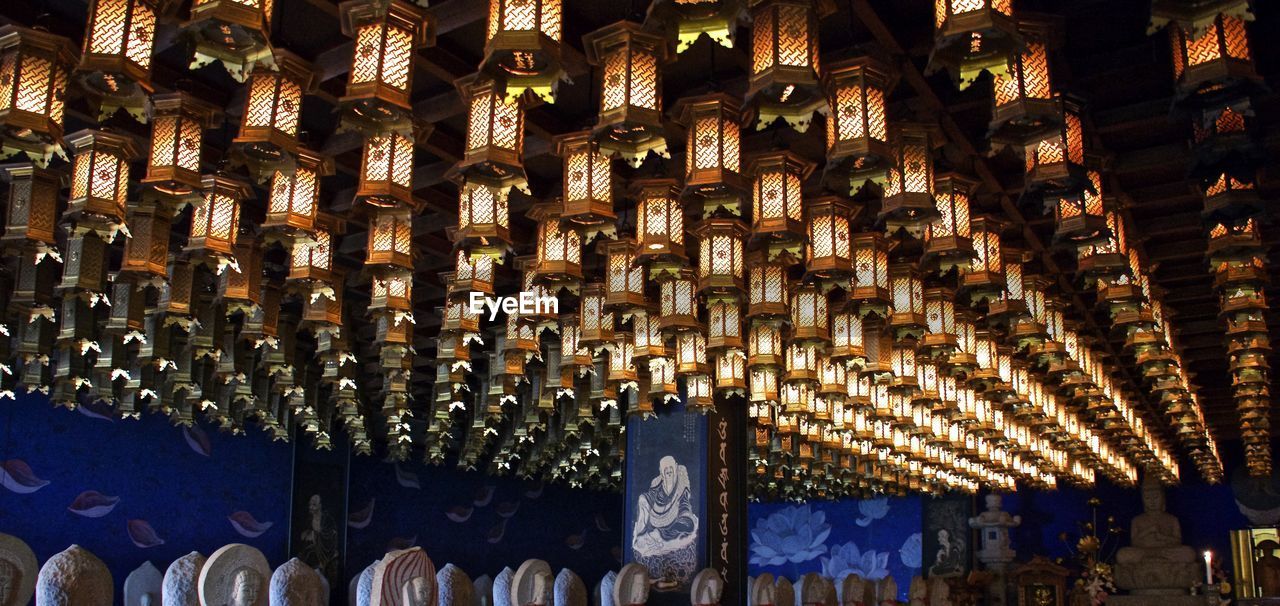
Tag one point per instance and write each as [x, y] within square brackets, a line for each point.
[523, 304]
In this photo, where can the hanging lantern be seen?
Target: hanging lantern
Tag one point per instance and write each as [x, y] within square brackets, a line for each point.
[766, 287]
[941, 338]
[522, 46]
[784, 60]
[649, 341]
[1221, 140]
[1080, 219]
[1023, 101]
[386, 171]
[679, 303]
[1107, 258]
[764, 345]
[314, 262]
[146, 251]
[720, 256]
[802, 367]
[846, 339]
[386, 33]
[100, 177]
[869, 287]
[115, 67]
[1229, 198]
[35, 65]
[973, 36]
[624, 279]
[391, 239]
[215, 221]
[948, 239]
[724, 325]
[688, 21]
[295, 197]
[984, 278]
[483, 220]
[494, 148]
[393, 292]
[731, 373]
[178, 123]
[829, 249]
[908, 316]
[31, 216]
[857, 128]
[662, 379]
[588, 183]
[234, 33]
[777, 210]
[621, 369]
[1213, 64]
[630, 119]
[908, 189]
[809, 320]
[268, 135]
[595, 326]
[1055, 158]
[559, 250]
[713, 162]
[691, 353]
[659, 220]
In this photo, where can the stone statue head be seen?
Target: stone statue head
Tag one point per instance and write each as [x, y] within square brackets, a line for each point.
[1152, 497]
[244, 587]
[667, 466]
[8, 581]
[417, 592]
[993, 501]
[313, 505]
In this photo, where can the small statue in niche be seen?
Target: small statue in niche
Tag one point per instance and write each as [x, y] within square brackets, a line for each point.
[762, 591]
[17, 571]
[631, 587]
[296, 584]
[142, 587]
[1156, 562]
[1267, 568]
[569, 589]
[707, 588]
[532, 584]
[405, 577]
[235, 575]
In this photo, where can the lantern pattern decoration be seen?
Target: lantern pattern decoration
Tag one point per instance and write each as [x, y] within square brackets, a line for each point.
[146, 251]
[1080, 218]
[688, 21]
[311, 263]
[678, 303]
[1230, 198]
[942, 337]
[869, 286]
[907, 288]
[1106, 261]
[31, 216]
[973, 36]
[724, 325]
[483, 221]
[949, 239]
[522, 47]
[559, 251]
[829, 245]
[659, 225]
[34, 67]
[234, 33]
[857, 128]
[624, 279]
[387, 33]
[630, 113]
[1055, 159]
[391, 239]
[386, 171]
[777, 202]
[295, 198]
[1221, 140]
[1213, 64]
[215, 220]
[100, 179]
[588, 186]
[713, 150]
[908, 202]
[115, 67]
[494, 146]
[984, 278]
[721, 246]
[809, 317]
[268, 137]
[767, 288]
[178, 122]
[784, 61]
[1023, 101]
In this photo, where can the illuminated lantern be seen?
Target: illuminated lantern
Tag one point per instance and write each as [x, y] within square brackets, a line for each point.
[178, 123]
[908, 300]
[829, 249]
[391, 239]
[908, 188]
[1055, 158]
[595, 323]
[1106, 258]
[100, 175]
[662, 379]
[720, 256]
[34, 66]
[766, 288]
[273, 108]
[649, 341]
[483, 220]
[984, 278]
[559, 251]
[857, 128]
[963, 359]
[731, 373]
[386, 171]
[624, 279]
[116, 63]
[630, 121]
[1080, 219]
[679, 303]
[314, 262]
[233, 32]
[784, 60]
[691, 353]
[588, 182]
[688, 21]
[940, 315]
[764, 345]
[295, 197]
[469, 274]
[1023, 100]
[973, 36]
[215, 221]
[777, 209]
[621, 368]
[949, 238]
[659, 220]
[32, 212]
[846, 338]
[1234, 242]
[394, 292]
[522, 46]
[724, 325]
[494, 147]
[1213, 63]
[869, 287]
[809, 320]
[146, 252]
[802, 364]
[243, 289]
[1229, 198]
[713, 152]
[387, 33]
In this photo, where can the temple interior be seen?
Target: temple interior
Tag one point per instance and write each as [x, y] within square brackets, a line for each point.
[627, 302]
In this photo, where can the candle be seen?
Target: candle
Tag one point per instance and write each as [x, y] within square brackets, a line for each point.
[1208, 568]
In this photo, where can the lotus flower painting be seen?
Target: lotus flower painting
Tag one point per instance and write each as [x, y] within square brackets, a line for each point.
[873, 538]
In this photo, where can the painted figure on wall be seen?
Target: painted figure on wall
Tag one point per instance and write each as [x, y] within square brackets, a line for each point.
[319, 541]
[666, 527]
[949, 559]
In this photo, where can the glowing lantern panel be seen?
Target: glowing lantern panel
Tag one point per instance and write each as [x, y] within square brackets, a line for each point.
[973, 36]
[630, 119]
[522, 45]
[295, 197]
[215, 221]
[908, 189]
[784, 60]
[713, 151]
[100, 175]
[386, 171]
[386, 32]
[272, 111]
[659, 219]
[34, 67]
[177, 133]
[588, 181]
[494, 145]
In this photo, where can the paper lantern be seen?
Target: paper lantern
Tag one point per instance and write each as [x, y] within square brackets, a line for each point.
[386, 171]
[588, 182]
[802, 366]
[973, 36]
[857, 129]
[483, 220]
[809, 320]
[178, 123]
[1055, 158]
[387, 33]
[494, 147]
[314, 261]
[948, 240]
[1080, 218]
[31, 216]
[678, 302]
[236, 34]
[724, 325]
[713, 149]
[649, 341]
[984, 278]
[731, 373]
[659, 220]
[829, 247]
[908, 188]
[215, 220]
[941, 338]
[764, 345]
[766, 288]
[624, 279]
[268, 135]
[116, 63]
[34, 66]
[691, 353]
[595, 327]
[1214, 63]
[100, 175]
[559, 250]
[869, 287]
[393, 292]
[522, 46]
[907, 288]
[688, 21]
[784, 60]
[777, 209]
[391, 239]
[720, 256]
[295, 196]
[630, 118]
[846, 338]
[470, 274]
[1023, 100]
[621, 368]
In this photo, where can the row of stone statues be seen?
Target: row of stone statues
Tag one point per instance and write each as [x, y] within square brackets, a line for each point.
[850, 590]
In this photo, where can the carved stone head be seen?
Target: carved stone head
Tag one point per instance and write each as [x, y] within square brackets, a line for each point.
[993, 501]
[245, 583]
[1152, 495]
[417, 592]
